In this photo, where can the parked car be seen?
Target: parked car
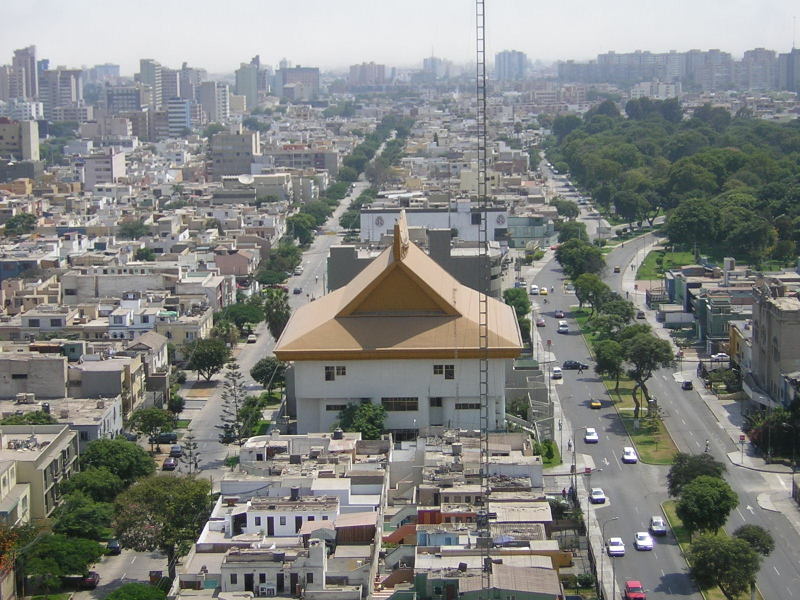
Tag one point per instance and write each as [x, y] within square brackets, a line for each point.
[298, 271]
[629, 455]
[540, 322]
[657, 525]
[615, 546]
[720, 356]
[591, 437]
[113, 547]
[559, 314]
[573, 365]
[169, 464]
[597, 496]
[640, 314]
[130, 436]
[252, 338]
[634, 591]
[642, 541]
[687, 385]
[616, 269]
[165, 437]
[557, 374]
[297, 291]
[88, 581]
[176, 451]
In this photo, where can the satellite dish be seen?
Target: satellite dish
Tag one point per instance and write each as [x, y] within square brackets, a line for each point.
[246, 179]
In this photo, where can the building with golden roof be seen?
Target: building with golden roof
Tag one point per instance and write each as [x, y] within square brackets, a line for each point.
[403, 333]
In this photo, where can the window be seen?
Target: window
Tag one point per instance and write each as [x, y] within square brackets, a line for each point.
[258, 521]
[335, 407]
[438, 369]
[55, 322]
[145, 318]
[234, 579]
[84, 436]
[476, 218]
[19, 376]
[33, 322]
[400, 404]
[282, 520]
[340, 371]
[118, 320]
[262, 578]
[468, 406]
[324, 517]
[330, 374]
[309, 578]
[449, 371]
[436, 402]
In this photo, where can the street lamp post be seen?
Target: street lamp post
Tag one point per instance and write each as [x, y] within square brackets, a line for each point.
[603, 534]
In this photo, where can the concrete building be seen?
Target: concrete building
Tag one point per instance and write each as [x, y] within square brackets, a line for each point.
[510, 65]
[214, 97]
[233, 153]
[170, 85]
[307, 77]
[108, 378]
[42, 376]
[24, 65]
[367, 74]
[104, 167]
[789, 70]
[401, 334]
[19, 139]
[247, 84]
[124, 98]
[296, 156]
[15, 498]
[179, 117]
[150, 74]
[46, 456]
[60, 88]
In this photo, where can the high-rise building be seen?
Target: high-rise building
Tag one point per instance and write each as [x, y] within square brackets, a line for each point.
[190, 80]
[789, 70]
[6, 73]
[367, 74]
[247, 83]
[214, 97]
[150, 74]
[19, 139]
[179, 117]
[510, 65]
[170, 85]
[60, 88]
[308, 77]
[123, 98]
[103, 73]
[434, 68]
[24, 62]
[758, 70]
[232, 153]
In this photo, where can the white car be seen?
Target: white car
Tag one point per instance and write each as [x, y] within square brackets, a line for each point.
[616, 547]
[591, 437]
[643, 541]
[720, 356]
[597, 496]
[657, 525]
[563, 327]
[557, 374]
[629, 455]
[534, 289]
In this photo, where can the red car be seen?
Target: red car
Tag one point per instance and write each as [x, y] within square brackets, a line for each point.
[540, 322]
[634, 591]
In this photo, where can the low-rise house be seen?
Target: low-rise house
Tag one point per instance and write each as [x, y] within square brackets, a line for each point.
[109, 377]
[42, 376]
[15, 497]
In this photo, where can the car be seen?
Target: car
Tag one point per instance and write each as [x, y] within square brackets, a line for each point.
[534, 289]
[634, 590]
[543, 291]
[574, 365]
[615, 546]
[629, 455]
[616, 269]
[252, 338]
[170, 464]
[687, 385]
[591, 437]
[113, 547]
[297, 291]
[176, 451]
[559, 314]
[640, 314]
[540, 322]
[130, 436]
[298, 271]
[597, 496]
[165, 437]
[720, 356]
[642, 541]
[554, 247]
[595, 403]
[557, 374]
[520, 284]
[657, 525]
[563, 327]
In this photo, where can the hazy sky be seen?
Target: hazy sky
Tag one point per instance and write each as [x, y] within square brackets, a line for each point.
[219, 34]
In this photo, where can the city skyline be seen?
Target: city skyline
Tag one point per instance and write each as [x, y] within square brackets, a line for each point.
[316, 33]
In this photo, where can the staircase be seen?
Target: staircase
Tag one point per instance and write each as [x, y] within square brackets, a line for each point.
[399, 535]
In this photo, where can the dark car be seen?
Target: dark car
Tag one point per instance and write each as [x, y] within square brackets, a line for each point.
[559, 314]
[170, 464]
[176, 451]
[113, 547]
[640, 314]
[573, 365]
[88, 581]
[687, 385]
[165, 437]
[130, 436]
[297, 291]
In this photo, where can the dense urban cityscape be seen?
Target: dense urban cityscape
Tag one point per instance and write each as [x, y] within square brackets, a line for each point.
[525, 331]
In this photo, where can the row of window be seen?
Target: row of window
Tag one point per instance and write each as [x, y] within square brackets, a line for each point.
[262, 578]
[408, 404]
[282, 520]
[37, 323]
[449, 371]
[332, 372]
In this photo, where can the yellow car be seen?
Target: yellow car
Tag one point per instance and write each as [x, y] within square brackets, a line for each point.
[543, 291]
[595, 403]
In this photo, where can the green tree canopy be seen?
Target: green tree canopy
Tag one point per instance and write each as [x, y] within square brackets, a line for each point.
[162, 513]
[301, 227]
[276, 311]
[55, 556]
[241, 313]
[566, 208]
[124, 459]
[572, 230]
[132, 230]
[705, 503]
[577, 257]
[137, 591]
[36, 417]
[590, 289]
[367, 418]
[688, 467]
[80, 516]
[645, 353]
[100, 484]
[144, 254]
[20, 224]
[151, 421]
[518, 299]
[269, 372]
[729, 563]
[207, 357]
[759, 538]
[608, 356]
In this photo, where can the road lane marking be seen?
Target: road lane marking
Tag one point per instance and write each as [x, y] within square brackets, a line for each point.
[776, 570]
[662, 573]
[750, 508]
[683, 421]
[740, 513]
[133, 560]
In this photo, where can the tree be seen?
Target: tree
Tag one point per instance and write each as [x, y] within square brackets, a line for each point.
[20, 224]
[144, 254]
[728, 563]
[162, 513]
[566, 208]
[757, 537]
[99, 484]
[276, 311]
[589, 288]
[124, 459]
[518, 298]
[226, 331]
[563, 125]
[212, 129]
[688, 467]
[132, 230]
[55, 556]
[608, 356]
[36, 417]
[367, 418]
[572, 230]
[301, 227]
[191, 452]
[233, 396]
[81, 516]
[645, 353]
[347, 174]
[207, 357]
[176, 404]
[151, 422]
[705, 503]
[241, 313]
[578, 257]
[269, 372]
[136, 591]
